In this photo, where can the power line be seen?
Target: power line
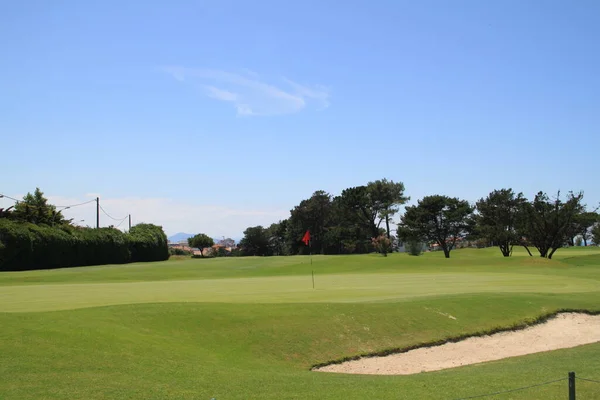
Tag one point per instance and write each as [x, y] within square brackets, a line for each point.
[513, 390]
[69, 206]
[120, 223]
[111, 217]
[77, 205]
[8, 197]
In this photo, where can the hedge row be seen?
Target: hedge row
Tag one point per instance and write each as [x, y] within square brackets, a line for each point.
[25, 246]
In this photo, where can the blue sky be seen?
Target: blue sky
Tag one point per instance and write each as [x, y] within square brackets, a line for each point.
[214, 116]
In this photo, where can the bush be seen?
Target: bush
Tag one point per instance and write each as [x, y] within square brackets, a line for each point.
[482, 243]
[221, 252]
[414, 248]
[175, 251]
[236, 252]
[17, 246]
[101, 246]
[25, 246]
[382, 244]
[148, 242]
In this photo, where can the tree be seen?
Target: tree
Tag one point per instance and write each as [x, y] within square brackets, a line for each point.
[360, 202]
[498, 217]
[414, 248]
[277, 236]
[201, 241]
[312, 214]
[596, 234]
[440, 219]
[387, 195]
[548, 223]
[581, 226]
[255, 242]
[34, 208]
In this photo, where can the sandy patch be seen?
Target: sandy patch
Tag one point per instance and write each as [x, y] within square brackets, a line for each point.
[564, 331]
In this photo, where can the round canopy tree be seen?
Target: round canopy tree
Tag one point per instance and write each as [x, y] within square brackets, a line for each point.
[201, 241]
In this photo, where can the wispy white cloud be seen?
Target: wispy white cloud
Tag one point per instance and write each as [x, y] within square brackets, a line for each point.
[251, 96]
[318, 92]
[221, 94]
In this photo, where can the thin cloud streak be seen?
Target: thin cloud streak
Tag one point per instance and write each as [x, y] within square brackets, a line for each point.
[249, 95]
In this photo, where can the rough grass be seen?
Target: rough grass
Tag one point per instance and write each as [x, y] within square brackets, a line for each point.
[247, 329]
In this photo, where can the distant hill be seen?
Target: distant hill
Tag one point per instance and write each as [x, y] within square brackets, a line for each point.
[180, 236]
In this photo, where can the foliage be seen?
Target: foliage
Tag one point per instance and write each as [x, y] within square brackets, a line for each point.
[236, 252]
[547, 223]
[176, 251]
[220, 252]
[201, 241]
[596, 234]
[414, 247]
[482, 243]
[25, 246]
[314, 214]
[439, 219]
[255, 242]
[7, 213]
[582, 224]
[148, 242]
[360, 203]
[338, 225]
[388, 195]
[34, 208]
[498, 218]
[277, 236]
[382, 244]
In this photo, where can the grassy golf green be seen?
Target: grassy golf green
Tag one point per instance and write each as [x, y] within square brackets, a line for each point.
[245, 328]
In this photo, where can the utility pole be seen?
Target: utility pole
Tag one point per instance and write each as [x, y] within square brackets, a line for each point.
[97, 212]
[129, 221]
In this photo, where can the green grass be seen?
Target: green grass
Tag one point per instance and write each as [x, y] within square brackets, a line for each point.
[253, 327]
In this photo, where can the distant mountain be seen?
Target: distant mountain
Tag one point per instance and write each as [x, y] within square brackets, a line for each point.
[178, 237]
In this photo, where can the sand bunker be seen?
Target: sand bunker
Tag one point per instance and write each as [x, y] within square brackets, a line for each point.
[564, 331]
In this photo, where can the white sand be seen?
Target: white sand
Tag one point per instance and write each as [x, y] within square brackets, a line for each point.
[564, 331]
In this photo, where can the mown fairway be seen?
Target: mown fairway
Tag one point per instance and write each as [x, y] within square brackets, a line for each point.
[242, 328]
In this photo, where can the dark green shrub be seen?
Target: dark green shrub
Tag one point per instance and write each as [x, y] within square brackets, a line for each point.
[25, 246]
[102, 246]
[148, 242]
[414, 248]
[16, 246]
[221, 252]
[175, 251]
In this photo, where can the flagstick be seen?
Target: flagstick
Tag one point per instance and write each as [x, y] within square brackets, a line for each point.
[310, 252]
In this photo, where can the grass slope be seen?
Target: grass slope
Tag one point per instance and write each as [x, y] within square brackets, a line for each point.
[255, 332]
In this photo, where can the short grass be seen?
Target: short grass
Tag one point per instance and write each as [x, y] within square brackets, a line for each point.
[253, 327]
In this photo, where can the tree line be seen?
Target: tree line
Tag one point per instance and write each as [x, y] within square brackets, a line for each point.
[34, 235]
[358, 221]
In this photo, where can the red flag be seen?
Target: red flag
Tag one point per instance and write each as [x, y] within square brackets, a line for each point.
[306, 238]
